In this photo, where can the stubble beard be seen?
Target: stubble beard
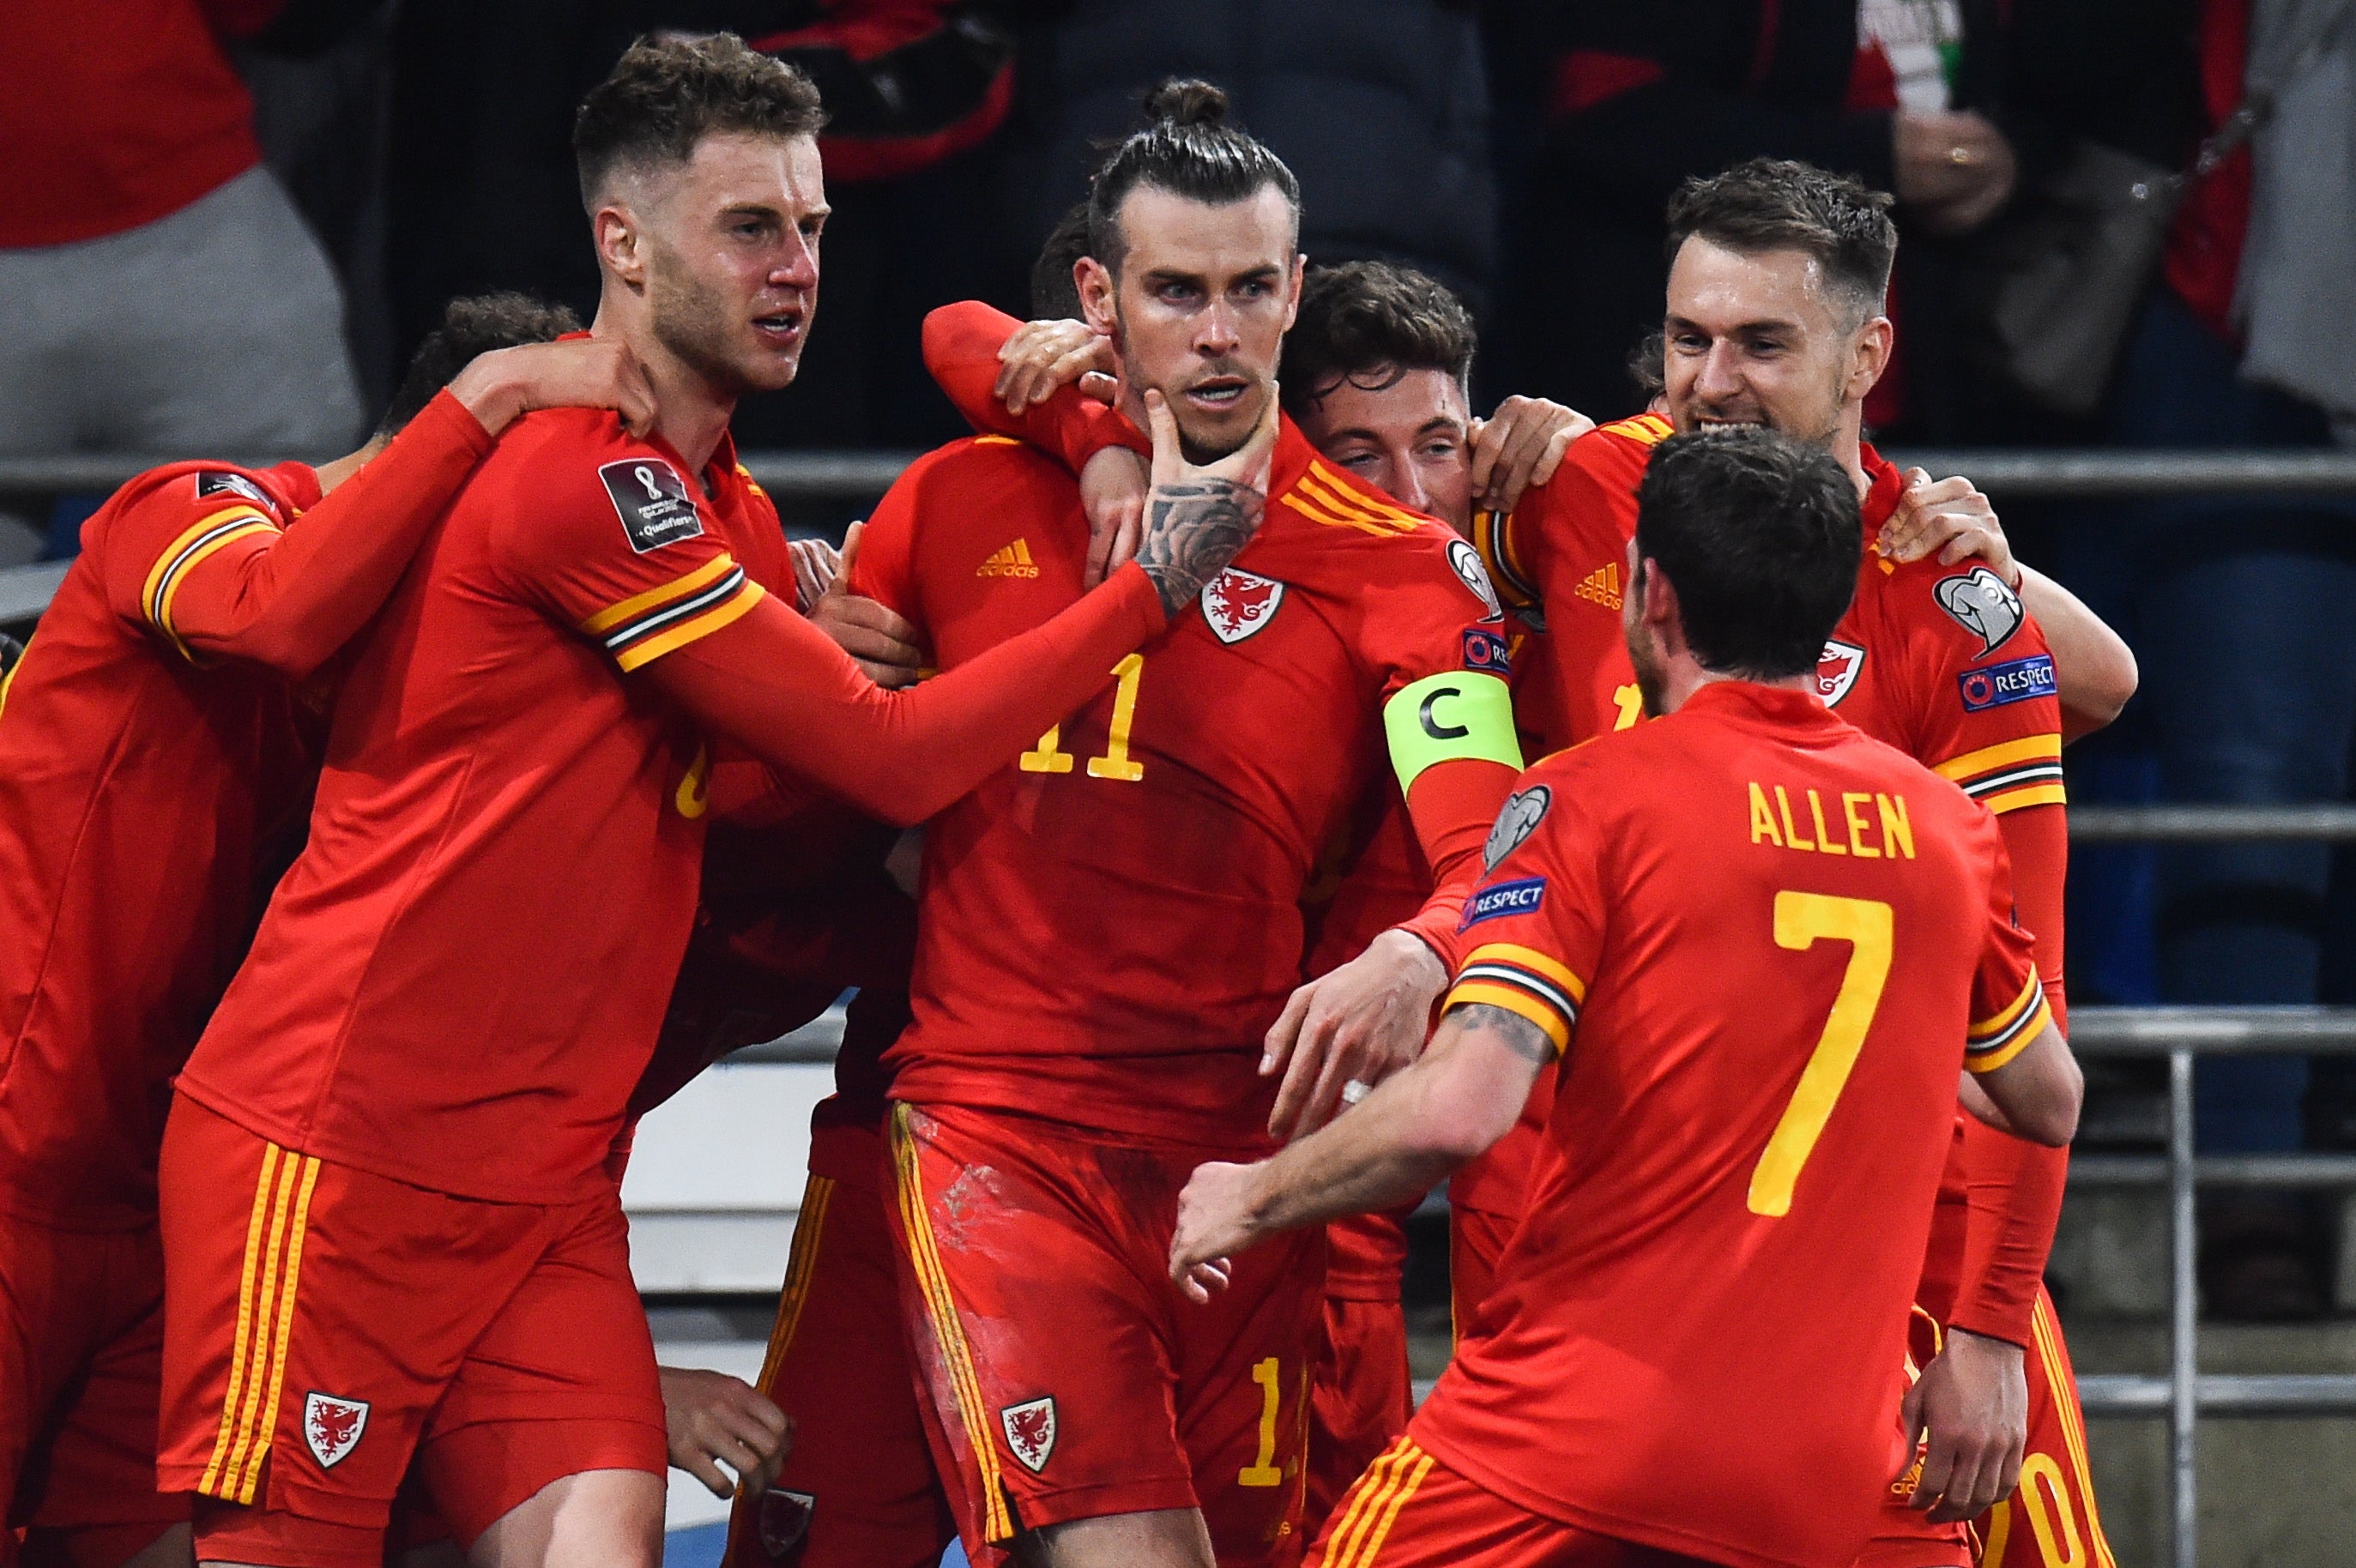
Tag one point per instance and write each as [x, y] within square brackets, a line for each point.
[1190, 444]
[694, 326]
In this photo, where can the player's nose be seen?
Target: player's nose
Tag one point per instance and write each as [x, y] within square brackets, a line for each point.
[1215, 331]
[795, 263]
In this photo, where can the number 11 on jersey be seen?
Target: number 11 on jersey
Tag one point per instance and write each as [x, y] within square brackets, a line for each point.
[1049, 756]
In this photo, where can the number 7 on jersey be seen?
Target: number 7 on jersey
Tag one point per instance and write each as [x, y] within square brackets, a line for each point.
[1803, 919]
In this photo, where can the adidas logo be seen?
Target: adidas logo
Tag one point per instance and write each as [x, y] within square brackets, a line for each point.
[1601, 586]
[1013, 561]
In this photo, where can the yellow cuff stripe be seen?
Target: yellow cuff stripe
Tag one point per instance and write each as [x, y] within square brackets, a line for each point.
[2027, 795]
[265, 1315]
[2044, 748]
[2003, 1018]
[1530, 958]
[741, 599]
[1646, 430]
[638, 604]
[1514, 999]
[1995, 1057]
[171, 567]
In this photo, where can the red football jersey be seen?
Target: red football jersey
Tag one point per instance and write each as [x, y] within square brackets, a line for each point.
[1937, 661]
[138, 794]
[155, 768]
[460, 980]
[1109, 928]
[1764, 943]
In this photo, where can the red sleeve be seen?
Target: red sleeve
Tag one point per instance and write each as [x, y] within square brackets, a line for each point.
[2014, 1187]
[778, 687]
[1533, 932]
[220, 580]
[1986, 712]
[886, 568]
[1453, 805]
[961, 345]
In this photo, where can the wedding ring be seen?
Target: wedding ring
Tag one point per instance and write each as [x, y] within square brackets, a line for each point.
[1355, 1091]
[1962, 156]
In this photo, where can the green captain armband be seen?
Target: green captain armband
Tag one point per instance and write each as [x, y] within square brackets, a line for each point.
[1443, 717]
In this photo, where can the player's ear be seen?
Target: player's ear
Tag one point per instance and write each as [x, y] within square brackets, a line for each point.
[1292, 302]
[620, 241]
[1097, 287]
[1868, 356]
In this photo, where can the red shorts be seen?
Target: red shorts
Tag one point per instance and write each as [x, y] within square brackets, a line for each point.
[859, 1489]
[1476, 1240]
[325, 1326]
[1411, 1512]
[1361, 1396]
[81, 1340]
[1064, 1376]
[2051, 1518]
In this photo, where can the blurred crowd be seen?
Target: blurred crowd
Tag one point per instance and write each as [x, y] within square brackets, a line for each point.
[2128, 223]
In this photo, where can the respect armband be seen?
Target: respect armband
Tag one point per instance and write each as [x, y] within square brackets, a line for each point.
[1442, 718]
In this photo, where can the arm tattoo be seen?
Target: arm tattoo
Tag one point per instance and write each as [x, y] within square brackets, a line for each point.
[1516, 1033]
[1192, 531]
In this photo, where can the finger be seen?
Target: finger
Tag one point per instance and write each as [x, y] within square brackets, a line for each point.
[1164, 430]
[1910, 1428]
[1938, 1470]
[1512, 475]
[1559, 442]
[1259, 453]
[1967, 543]
[1488, 437]
[1103, 387]
[1345, 1061]
[849, 553]
[1284, 1034]
[763, 1412]
[715, 1480]
[1300, 1075]
[1944, 493]
[858, 610]
[1068, 367]
[1126, 538]
[1100, 543]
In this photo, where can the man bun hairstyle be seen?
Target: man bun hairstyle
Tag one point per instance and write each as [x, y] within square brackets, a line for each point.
[1369, 322]
[1776, 204]
[1761, 536]
[472, 325]
[1187, 148]
[665, 95]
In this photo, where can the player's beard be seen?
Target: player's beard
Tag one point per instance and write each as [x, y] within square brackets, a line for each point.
[701, 328]
[1195, 445]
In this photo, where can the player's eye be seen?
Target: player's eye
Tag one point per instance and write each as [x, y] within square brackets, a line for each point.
[1440, 447]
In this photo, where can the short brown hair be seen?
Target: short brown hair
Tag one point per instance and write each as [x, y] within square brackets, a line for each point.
[664, 95]
[1776, 204]
[1365, 319]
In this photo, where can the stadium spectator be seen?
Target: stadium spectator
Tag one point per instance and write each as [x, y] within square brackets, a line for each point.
[1627, 100]
[482, 191]
[163, 295]
[1380, 106]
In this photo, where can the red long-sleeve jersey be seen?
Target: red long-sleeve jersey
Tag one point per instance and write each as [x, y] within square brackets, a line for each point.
[1942, 663]
[155, 771]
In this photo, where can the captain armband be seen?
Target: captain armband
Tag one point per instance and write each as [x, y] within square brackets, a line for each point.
[1442, 718]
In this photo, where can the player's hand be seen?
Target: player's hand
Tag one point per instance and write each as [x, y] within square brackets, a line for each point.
[506, 384]
[1520, 445]
[1951, 170]
[1113, 487]
[713, 1419]
[1356, 1024]
[1044, 356]
[1215, 1222]
[816, 566]
[1199, 514]
[1972, 1404]
[1952, 516]
[879, 642]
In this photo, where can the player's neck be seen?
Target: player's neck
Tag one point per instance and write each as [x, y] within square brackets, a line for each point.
[1682, 675]
[690, 412]
[331, 474]
[1848, 446]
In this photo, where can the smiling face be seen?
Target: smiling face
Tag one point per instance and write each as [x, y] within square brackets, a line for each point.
[1407, 433]
[1199, 309]
[1759, 339]
[727, 253]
